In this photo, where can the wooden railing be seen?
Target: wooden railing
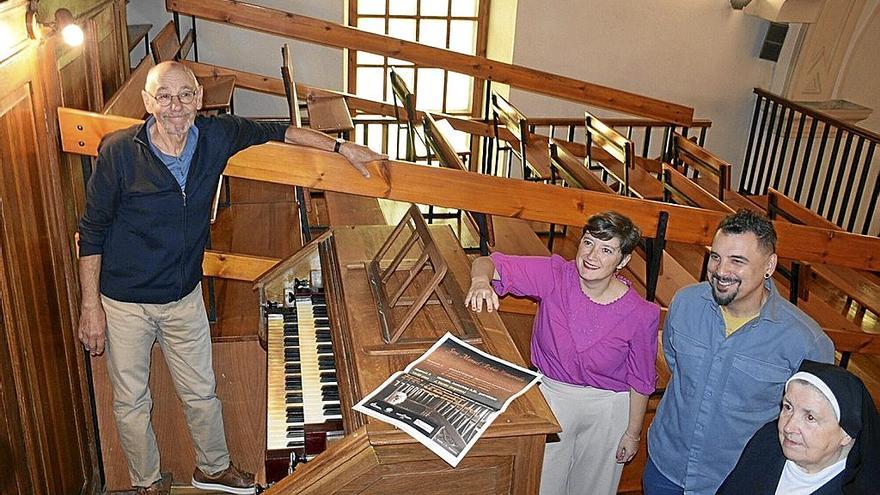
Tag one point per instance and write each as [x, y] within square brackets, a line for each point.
[287, 24]
[82, 131]
[823, 163]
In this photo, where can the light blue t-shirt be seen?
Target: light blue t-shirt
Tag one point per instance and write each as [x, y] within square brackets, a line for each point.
[177, 165]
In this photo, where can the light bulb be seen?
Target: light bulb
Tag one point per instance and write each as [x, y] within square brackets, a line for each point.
[72, 34]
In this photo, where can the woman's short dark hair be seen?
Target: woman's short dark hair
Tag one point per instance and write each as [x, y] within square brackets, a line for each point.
[610, 224]
[745, 220]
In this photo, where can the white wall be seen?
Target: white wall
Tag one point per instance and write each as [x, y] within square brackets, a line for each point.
[257, 52]
[699, 53]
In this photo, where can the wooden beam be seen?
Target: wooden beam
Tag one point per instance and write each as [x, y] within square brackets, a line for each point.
[236, 266]
[401, 181]
[282, 23]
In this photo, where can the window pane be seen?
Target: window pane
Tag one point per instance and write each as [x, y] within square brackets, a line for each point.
[462, 36]
[404, 29]
[435, 7]
[372, 24]
[375, 142]
[429, 93]
[458, 92]
[433, 33]
[463, 8]
[402, 7]
[366, 58]
[369, 82]
[371, 7]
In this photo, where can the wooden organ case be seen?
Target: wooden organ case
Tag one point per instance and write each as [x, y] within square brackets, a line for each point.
[374, 332]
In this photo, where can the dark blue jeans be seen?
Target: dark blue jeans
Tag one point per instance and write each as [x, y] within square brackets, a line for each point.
[654, 483]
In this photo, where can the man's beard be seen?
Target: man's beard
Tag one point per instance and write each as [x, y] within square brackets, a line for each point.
[724, 300]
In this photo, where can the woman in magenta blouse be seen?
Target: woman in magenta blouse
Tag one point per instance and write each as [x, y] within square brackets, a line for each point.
[594, 339]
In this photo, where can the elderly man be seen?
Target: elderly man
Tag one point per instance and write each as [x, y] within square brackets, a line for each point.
[825, 442]
[142, 240]
[730, 343]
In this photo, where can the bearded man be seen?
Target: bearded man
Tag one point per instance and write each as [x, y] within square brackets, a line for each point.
[731, 344]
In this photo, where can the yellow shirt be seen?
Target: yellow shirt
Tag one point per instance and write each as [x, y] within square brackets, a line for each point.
[734, 323]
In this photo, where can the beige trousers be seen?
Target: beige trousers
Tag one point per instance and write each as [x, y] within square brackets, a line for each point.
[182, 330]
[583, 461]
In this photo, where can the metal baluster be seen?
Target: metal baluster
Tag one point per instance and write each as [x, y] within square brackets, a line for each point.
[758, 183]
[806, 161]
[818, 164]
[841, 169]
[747, 160]
[702, 140]
[646, 146]
[784, 137]
[794, 152]
[667, 144]
[853, 207]
[866, 168]
[765, 181]
[873, 203]
[830, 171]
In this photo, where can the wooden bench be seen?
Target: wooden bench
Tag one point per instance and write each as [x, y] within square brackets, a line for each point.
[711, 172]
[534, 153]
[617, 160]
[859, 287]
[136, 34]
[446, 156]
[128, 101]
[400, 91]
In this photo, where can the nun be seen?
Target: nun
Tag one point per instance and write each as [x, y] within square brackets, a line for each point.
[824, 442]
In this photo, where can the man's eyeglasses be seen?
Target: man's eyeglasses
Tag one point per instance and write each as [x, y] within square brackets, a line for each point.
[185, 97]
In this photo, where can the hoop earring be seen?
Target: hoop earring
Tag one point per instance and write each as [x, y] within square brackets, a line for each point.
[766, 276]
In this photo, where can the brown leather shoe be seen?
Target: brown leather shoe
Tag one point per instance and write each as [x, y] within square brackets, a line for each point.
[230, 480]
[161, 487]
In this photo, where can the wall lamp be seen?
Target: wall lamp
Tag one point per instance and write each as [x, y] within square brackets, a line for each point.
[64, 23]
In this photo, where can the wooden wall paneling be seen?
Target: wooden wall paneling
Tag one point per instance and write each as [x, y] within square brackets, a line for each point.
[80, 87]
[13, 456]
[110, 47]
[42, 345]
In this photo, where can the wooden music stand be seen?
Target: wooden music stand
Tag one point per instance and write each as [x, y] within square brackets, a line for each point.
[445, 291]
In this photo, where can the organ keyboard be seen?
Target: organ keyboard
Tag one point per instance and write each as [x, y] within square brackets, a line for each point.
[334, 320]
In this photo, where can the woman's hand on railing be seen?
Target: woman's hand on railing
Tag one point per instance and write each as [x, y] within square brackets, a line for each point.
[481, 290]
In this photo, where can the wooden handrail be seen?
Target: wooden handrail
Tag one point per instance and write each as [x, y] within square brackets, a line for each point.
[816, 114]
[615, 122]
[282, 23]
[401, 181]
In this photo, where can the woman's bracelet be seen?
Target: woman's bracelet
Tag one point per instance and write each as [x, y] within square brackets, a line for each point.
[631, 437]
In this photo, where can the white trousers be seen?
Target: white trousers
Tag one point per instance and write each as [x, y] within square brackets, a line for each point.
[182, 330]
[583, 461]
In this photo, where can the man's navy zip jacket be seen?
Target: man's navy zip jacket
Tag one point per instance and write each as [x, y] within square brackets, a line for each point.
[150, 233]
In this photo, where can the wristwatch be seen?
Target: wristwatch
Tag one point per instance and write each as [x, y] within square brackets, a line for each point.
[339, 142]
